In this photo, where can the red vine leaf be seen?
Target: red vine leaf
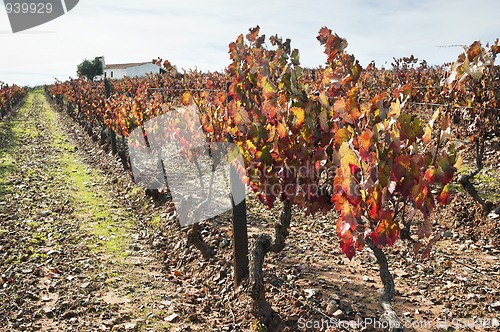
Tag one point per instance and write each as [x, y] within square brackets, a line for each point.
[444, 196]
[387, 231]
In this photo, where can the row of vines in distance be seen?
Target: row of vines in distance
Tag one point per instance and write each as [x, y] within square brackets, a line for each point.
[9, 96]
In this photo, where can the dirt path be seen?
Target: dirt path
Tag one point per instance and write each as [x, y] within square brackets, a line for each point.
[71, 257]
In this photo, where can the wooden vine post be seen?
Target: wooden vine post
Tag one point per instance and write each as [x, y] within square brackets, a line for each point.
[240, 232]
[114, 150]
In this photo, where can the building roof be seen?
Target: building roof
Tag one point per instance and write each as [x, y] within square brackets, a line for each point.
[125, 65]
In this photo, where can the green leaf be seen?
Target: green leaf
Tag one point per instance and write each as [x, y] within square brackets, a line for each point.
[295, 57]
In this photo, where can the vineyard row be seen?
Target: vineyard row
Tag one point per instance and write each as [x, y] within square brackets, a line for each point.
[369, 148]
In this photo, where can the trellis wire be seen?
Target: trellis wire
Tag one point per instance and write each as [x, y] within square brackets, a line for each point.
[454, 106]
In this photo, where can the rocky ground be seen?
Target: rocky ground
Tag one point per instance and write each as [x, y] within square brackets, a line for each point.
[82, 248]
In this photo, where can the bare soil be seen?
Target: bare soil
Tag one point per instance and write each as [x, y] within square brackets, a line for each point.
[82, 248]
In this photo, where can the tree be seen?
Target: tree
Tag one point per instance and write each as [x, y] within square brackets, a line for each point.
[90, 69]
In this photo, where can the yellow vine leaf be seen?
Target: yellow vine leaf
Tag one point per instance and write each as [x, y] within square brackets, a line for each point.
[267, 87]
[299, 115]
[282, 130]
[347, 156]
[395, 109]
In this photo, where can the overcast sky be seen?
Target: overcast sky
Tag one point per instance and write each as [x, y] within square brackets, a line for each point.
[193, 33]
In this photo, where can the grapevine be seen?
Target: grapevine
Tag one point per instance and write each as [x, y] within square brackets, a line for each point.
[363, 142]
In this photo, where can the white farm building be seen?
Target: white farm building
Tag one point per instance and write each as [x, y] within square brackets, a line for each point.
[119, 71]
